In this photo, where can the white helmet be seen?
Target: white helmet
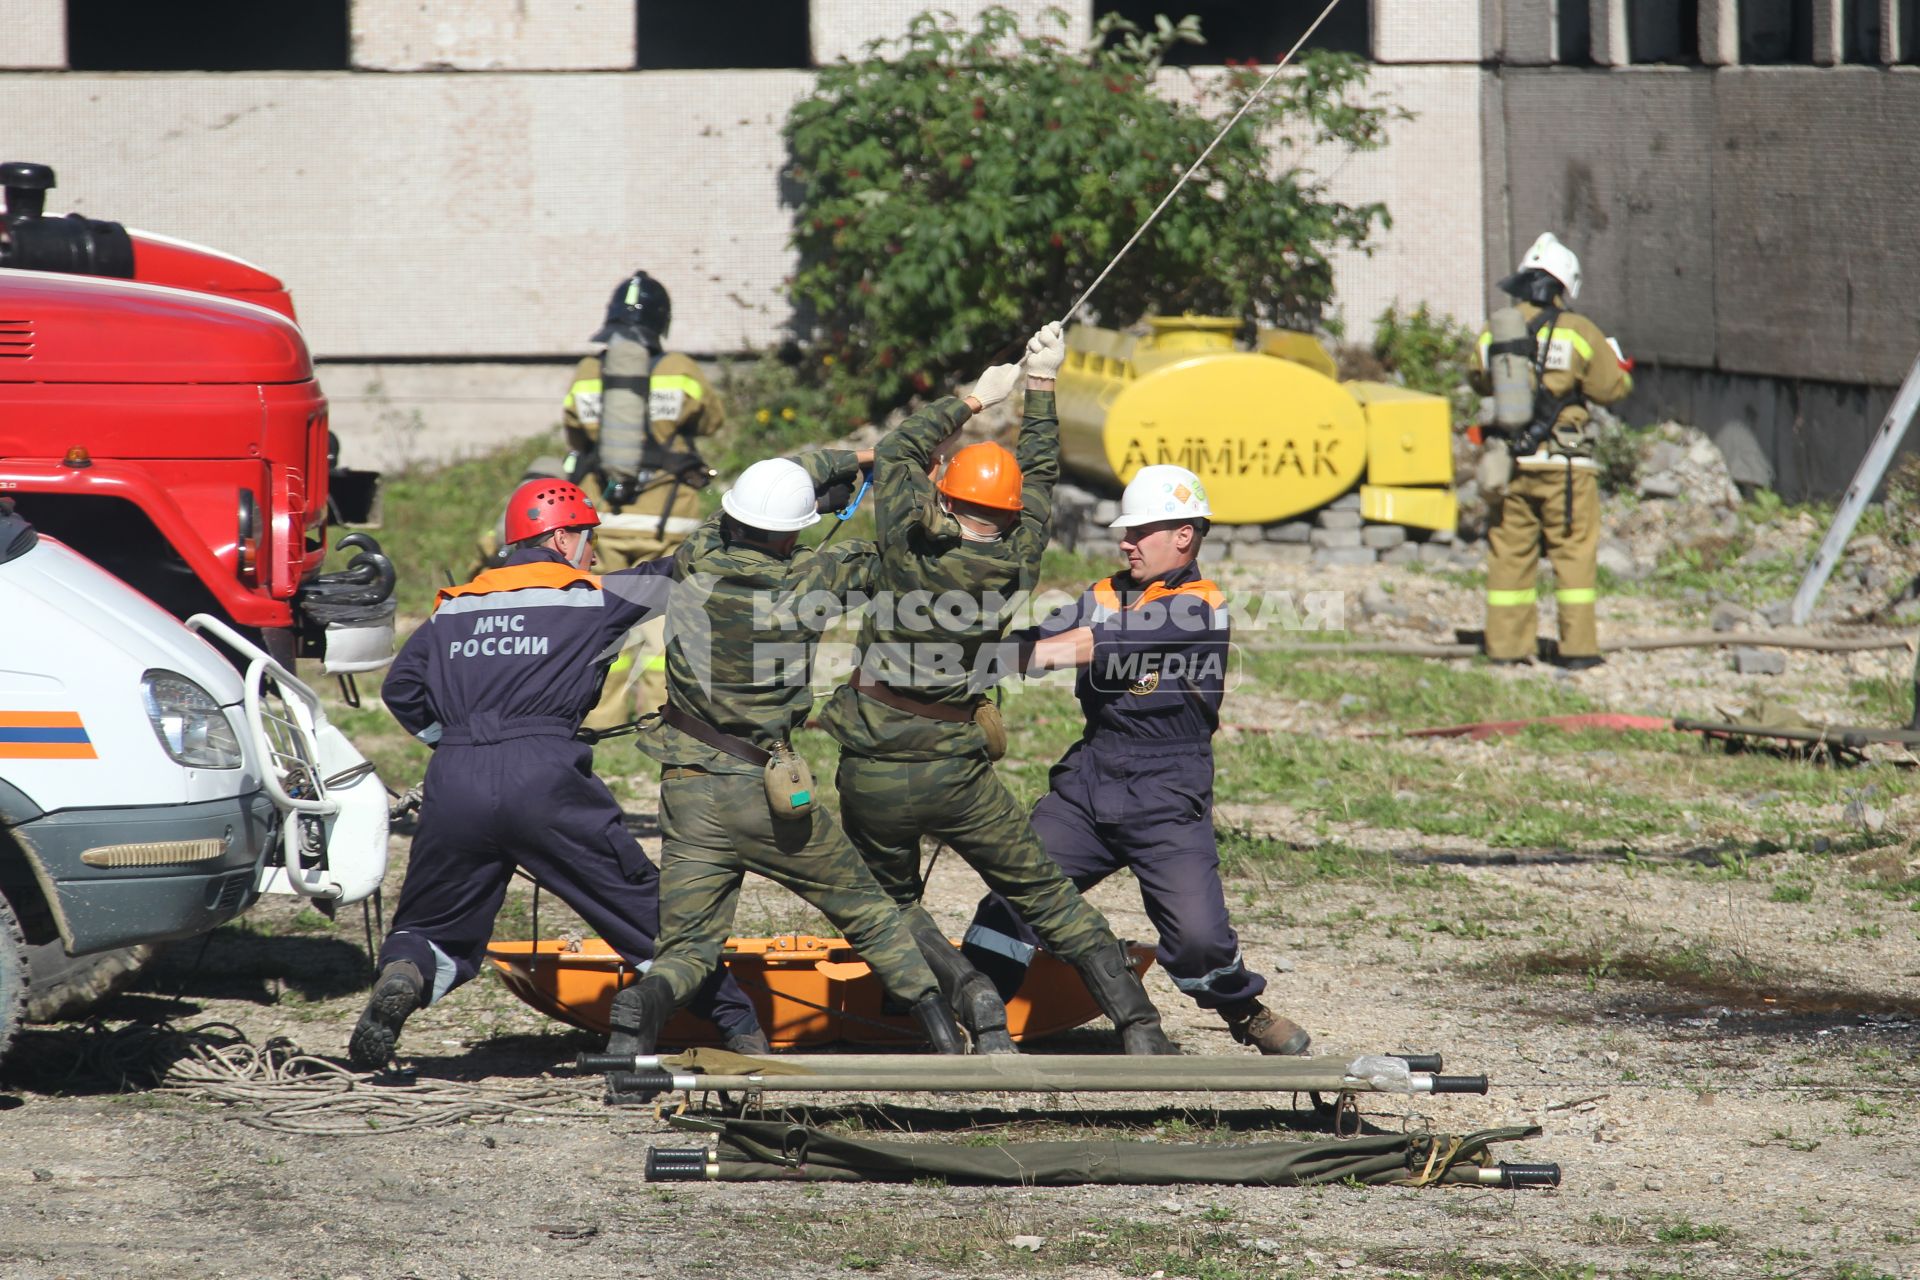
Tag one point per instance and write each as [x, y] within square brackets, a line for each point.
[1162, 492]
[774, 495]
[1558, 261]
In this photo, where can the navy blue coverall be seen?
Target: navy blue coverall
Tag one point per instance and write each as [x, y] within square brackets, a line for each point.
[1137, 790]
[497, 681]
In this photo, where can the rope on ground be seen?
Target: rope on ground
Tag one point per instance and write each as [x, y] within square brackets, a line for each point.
[1671, 640]
[296, 1092]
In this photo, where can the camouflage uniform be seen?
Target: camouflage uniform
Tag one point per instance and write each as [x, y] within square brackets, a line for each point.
[681, 406]
[903, 776]
[742, 663]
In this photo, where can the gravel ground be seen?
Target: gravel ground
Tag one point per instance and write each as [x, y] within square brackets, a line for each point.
[1756, 1125]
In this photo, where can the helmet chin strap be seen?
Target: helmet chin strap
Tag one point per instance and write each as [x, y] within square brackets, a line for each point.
[582, 551]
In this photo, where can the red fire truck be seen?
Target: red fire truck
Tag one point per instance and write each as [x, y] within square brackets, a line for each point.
[159, 414]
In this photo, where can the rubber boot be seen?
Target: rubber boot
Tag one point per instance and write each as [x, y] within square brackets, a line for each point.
[1251, 1022]
[638, 1014]
[936, 1020]
[1116, 988]
[396, 994]
[968, 991]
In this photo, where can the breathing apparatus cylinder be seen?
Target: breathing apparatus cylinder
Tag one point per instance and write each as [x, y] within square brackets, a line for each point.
[623, 405]
[1510, 360]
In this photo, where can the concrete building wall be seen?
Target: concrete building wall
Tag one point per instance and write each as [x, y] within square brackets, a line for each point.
[493, 35]
[1713, 235]
[444, 215]
[844, 28]
[1433, 31]
[1430, 175]
[33, 34]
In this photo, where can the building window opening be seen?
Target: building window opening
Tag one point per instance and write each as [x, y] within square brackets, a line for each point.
[1256, 29]
[1664, 31]
[1776, 31]
[1906, 48]
[1572, 33]
[1860, 32]
[207, 35]
[682, 35]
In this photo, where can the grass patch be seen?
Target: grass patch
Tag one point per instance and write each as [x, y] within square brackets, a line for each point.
[1409, 692]
[1681, 1231]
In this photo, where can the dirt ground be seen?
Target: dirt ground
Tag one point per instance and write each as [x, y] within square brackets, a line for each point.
[1721, 1052]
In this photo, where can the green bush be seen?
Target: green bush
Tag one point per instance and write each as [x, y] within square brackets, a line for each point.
[964, 189]
[1431, 353]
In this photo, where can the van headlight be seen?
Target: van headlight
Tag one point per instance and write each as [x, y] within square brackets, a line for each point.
[192, 728]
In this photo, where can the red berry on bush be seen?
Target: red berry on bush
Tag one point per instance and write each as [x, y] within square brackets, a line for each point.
[966, 162]
[1056, 241]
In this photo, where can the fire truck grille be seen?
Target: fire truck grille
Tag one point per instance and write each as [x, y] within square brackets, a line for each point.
[16, 339]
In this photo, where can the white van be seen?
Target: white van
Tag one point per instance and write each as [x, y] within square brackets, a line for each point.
[150, 787]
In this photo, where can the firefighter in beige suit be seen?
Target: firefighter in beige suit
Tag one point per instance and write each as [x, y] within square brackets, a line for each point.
[1543, 477]
[648, 495]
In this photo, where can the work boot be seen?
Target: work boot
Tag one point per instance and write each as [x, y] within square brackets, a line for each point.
[1116, 988]
[936, 1020]
[968, 992]
[1582, 662]
[753, 1043]
[396, 994]
[1251, 1022]
[638, 1014]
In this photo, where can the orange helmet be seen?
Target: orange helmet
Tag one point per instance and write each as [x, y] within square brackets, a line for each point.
[985, 475]
[543, 505]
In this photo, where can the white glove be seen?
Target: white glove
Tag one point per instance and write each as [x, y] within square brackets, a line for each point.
[996, 384]
[1046, 351]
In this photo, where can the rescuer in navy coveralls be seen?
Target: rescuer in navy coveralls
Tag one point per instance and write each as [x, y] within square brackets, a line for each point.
[497, 681]
[1136, 791]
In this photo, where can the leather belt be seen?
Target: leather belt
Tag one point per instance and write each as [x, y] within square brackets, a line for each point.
[694, 727]
[888, 696]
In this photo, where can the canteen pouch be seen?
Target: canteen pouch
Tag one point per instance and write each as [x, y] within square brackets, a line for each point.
[993, 726]
[789, 783]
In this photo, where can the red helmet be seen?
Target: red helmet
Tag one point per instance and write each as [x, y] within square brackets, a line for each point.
[543, 505]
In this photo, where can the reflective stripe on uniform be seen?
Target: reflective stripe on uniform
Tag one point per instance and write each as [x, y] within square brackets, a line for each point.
[673, 382]
[1001, 944]
[583, 387]
[1577, 595]
[621, 663]
[1573, 338]
[1509, 599]
[1205, 983]
[658, 662]
[524, 598]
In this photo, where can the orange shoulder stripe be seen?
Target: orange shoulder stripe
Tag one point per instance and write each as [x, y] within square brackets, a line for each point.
[1107, 598]
[518, 577]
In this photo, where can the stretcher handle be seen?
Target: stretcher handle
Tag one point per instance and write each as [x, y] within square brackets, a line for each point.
[1459, 1084]
[1529, 1175]
[1419, 1061]
[681, 1164]
[616, 1062]
[647, 1082]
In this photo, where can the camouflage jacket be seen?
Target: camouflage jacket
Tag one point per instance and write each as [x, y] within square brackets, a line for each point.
[741, 630]
[941, 604]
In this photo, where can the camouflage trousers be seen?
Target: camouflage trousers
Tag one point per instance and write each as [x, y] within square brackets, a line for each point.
[717, 828]
[888, 805]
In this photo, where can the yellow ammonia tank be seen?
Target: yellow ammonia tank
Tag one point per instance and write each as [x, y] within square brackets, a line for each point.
[1271, 431]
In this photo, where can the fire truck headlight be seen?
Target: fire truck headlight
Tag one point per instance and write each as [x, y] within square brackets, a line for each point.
[192, 728]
